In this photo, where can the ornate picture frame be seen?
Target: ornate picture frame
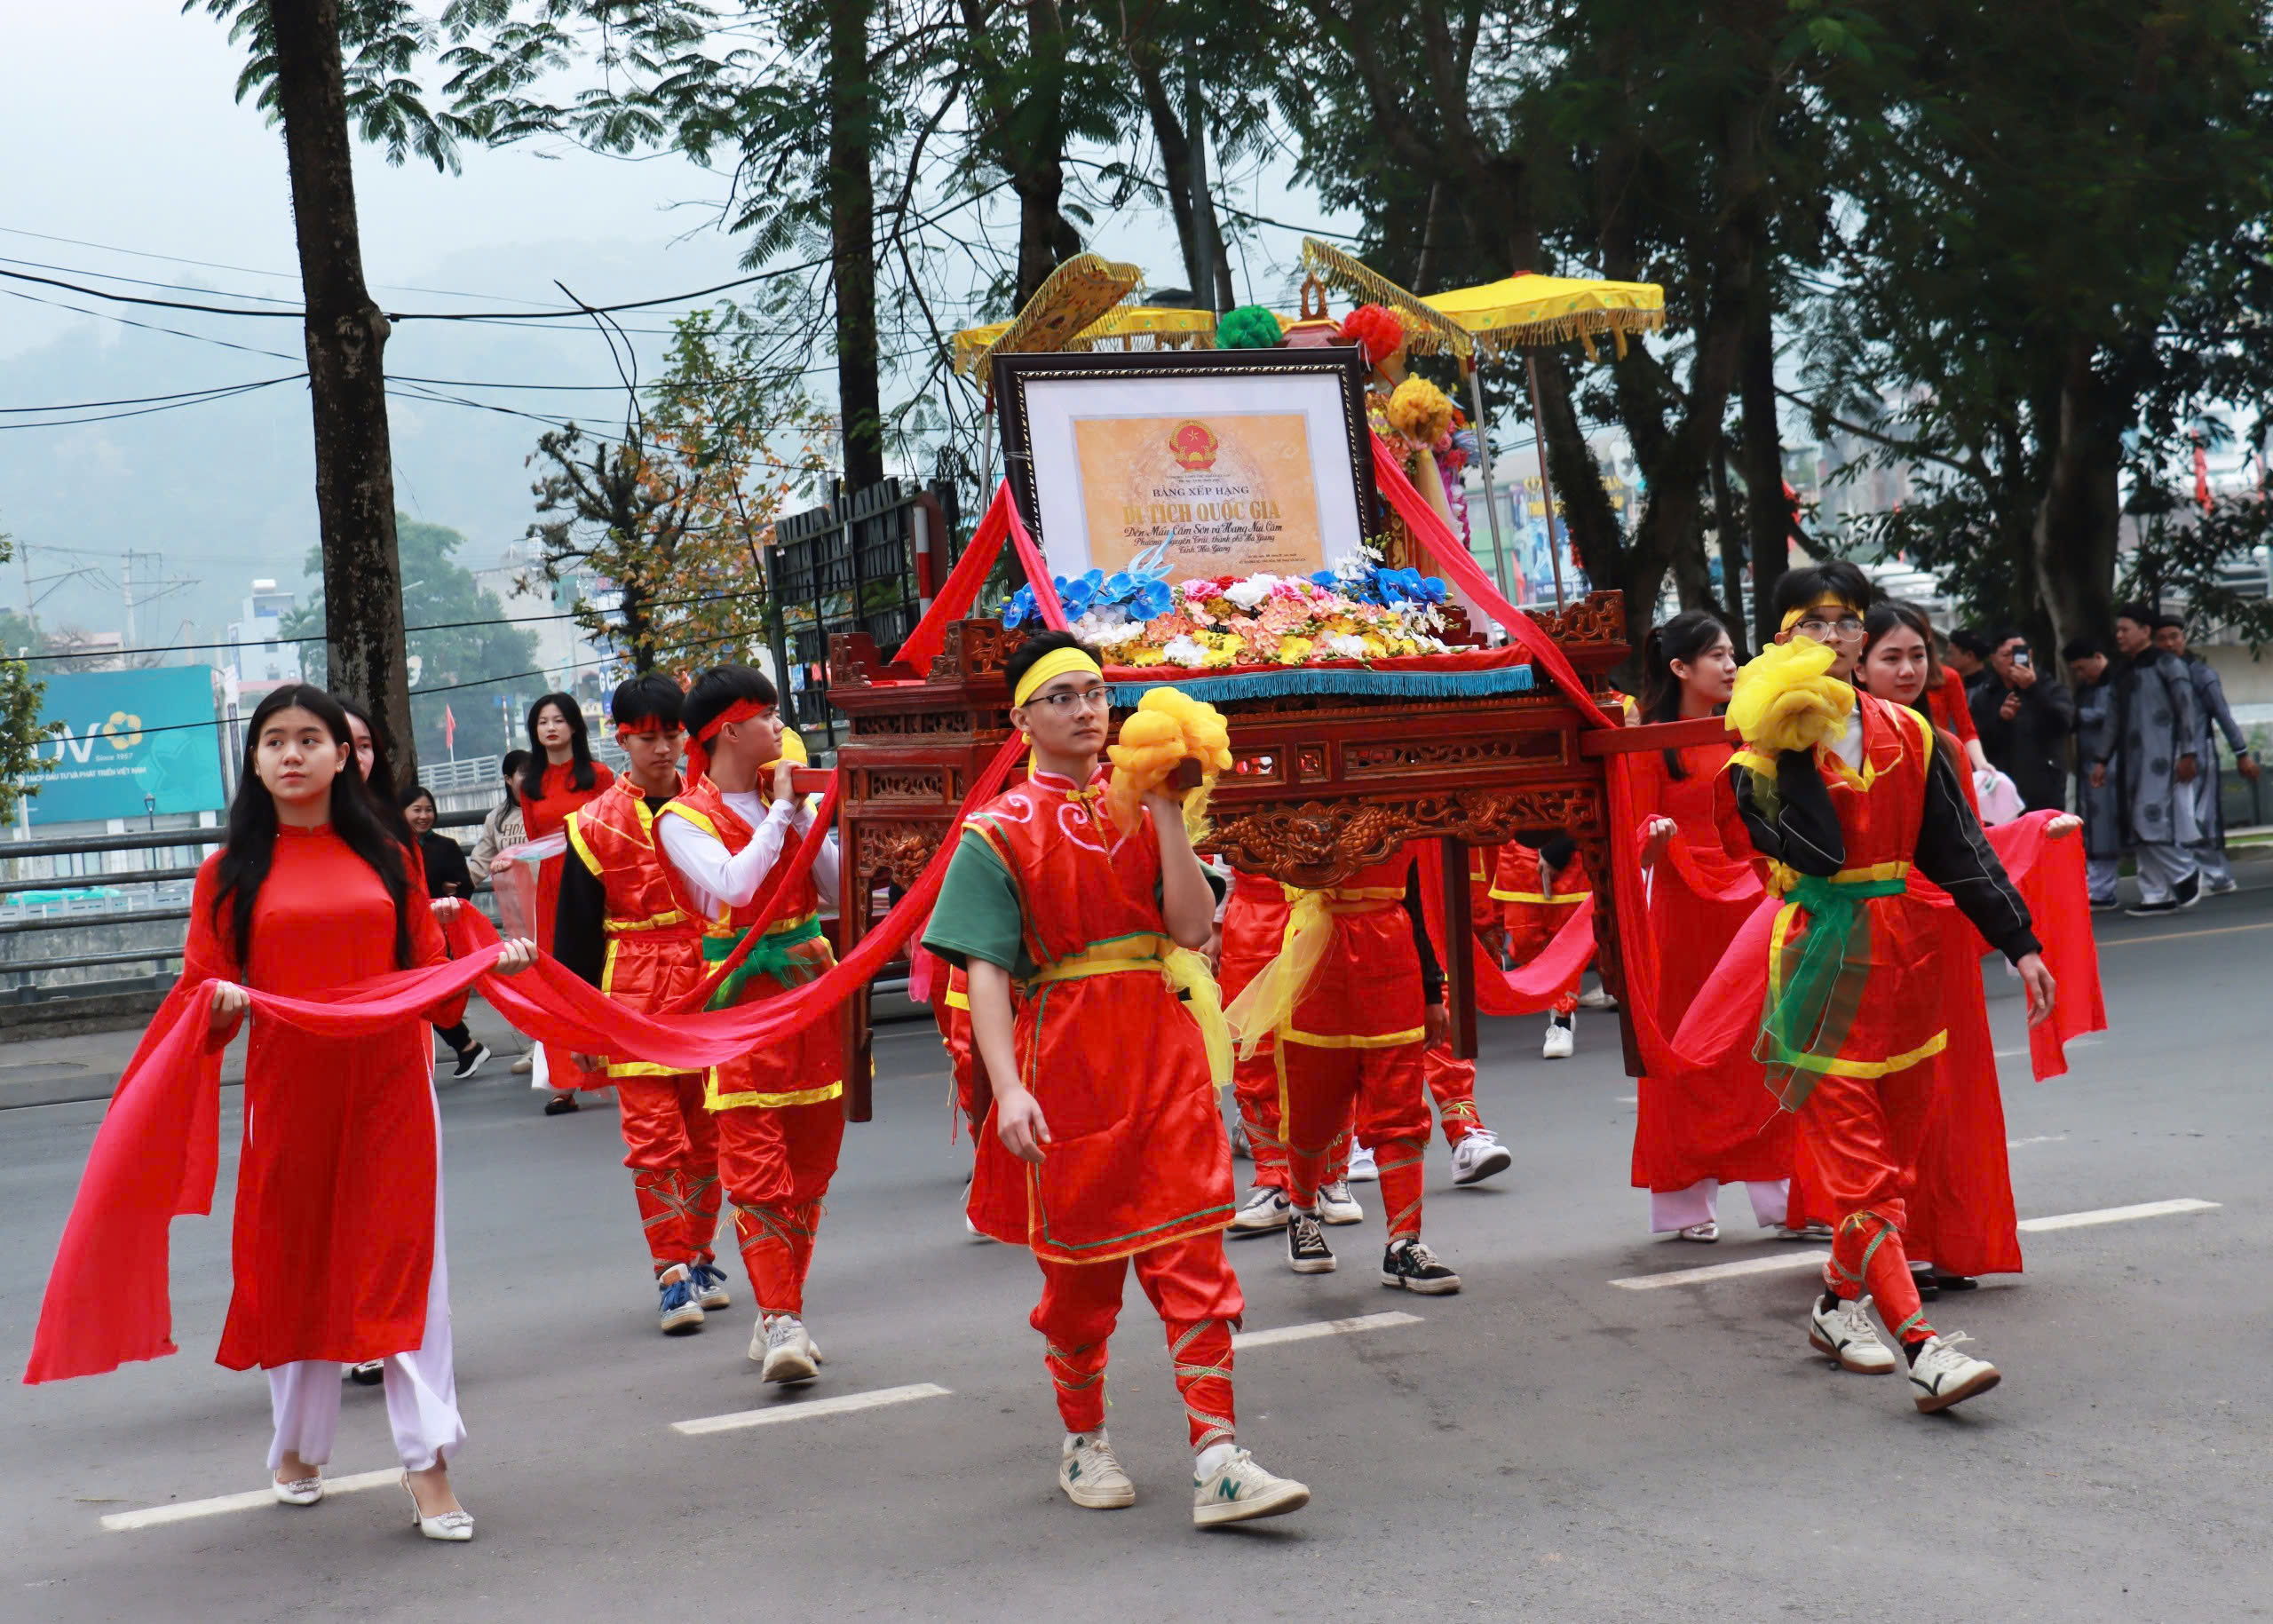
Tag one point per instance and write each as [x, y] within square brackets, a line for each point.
[1205, 462]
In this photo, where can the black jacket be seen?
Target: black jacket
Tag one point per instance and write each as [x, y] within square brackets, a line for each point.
[2032, 749]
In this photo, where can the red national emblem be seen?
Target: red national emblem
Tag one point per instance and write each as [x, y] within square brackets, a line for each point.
[1193, 444]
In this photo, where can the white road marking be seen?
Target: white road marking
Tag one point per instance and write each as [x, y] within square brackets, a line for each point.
[2082, 1042]
[1246, 1339]
[1804, 1258]
[2041, 1138]
[808, 1408]
[2114, 1215]
[1795, 1260]
[154, 1516]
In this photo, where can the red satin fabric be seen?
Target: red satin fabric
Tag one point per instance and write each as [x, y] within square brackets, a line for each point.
[1530, 987]
[1720, 1123]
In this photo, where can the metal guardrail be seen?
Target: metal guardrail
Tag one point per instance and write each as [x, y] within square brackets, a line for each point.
[28, 969]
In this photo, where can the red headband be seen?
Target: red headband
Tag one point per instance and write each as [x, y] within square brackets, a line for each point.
[698, 746]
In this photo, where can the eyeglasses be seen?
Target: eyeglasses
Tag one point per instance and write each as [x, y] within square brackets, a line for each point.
[1086, 699]
[1823, 631]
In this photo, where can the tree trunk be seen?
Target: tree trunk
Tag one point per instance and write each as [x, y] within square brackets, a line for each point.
[852, 232]
[1730, 527]
[1046, 237]
[346, 336]
[1768, 514]
[2079, 517]
[1176, 161]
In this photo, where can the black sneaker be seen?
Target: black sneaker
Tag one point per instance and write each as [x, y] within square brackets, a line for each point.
[470, 1060]
[1307, 1252]
[561, 1104]
[1413, 1266]
[370, 1372]
[2189, 890]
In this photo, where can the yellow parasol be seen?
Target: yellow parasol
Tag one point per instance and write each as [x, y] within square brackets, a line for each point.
[1518, 312]
[1124, 326]
[1069, 299]
[1429, 331]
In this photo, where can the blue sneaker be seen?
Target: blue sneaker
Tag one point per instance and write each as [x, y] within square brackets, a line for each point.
[710, 1286]
[680, 1313]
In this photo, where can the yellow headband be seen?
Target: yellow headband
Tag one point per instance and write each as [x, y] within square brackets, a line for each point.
[1057, 663]
[1827, 601]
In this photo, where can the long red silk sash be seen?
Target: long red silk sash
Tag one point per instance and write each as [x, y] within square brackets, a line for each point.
[154, 1156]
[1531, 987]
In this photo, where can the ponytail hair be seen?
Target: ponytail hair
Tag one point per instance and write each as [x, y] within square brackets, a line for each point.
[1684, 638]
[249, 847]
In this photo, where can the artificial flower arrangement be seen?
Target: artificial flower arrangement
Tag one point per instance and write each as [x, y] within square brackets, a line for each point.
[1360, 610]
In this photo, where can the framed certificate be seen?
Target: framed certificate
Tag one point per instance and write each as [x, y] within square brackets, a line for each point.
[1211, 462]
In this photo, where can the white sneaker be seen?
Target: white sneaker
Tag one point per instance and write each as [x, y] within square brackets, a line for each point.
[1238, 1491]
[1846, 1335]
[1561, 1036]
[1090, 1474]
[1941, 1377]
[1478, 1156]
[1596, 998]
[1362, 1168]
[1336, 1204]
[1704, 1234]
[2219, 888]
[1264, 1209]
[786, 1352]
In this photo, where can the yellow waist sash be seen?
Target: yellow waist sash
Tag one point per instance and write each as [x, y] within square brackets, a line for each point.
[1184, 970]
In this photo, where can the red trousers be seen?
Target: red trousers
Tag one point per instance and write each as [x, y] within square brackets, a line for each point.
[1453, 1084]
[671, 1146]
[1858, 1140]
[1323, 1091]
[1255, 1081]
[776, 1162]
[1197, 1296]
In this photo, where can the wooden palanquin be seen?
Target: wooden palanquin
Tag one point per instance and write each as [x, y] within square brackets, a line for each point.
[1321, 786]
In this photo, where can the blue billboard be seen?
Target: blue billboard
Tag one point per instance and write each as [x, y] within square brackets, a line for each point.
[130, 743]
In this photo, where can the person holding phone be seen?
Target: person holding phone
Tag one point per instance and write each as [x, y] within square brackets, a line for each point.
[2024, 717]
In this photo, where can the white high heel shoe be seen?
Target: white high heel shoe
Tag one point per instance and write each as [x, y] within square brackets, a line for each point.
[299, 1492]
[448, 1525]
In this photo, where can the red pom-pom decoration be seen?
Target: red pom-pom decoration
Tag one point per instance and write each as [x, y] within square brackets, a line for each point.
[1374, 329]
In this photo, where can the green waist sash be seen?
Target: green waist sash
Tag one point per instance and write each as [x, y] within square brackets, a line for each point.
[1813, 999]
[770, 957]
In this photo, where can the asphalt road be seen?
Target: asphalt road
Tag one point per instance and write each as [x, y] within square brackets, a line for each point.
[1548, 1445]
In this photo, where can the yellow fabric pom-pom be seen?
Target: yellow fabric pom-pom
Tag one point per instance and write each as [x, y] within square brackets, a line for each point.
[1420, 411]
[1168, 728]
[1787, 700]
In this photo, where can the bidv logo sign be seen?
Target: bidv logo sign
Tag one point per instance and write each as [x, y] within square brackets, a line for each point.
[121, 730]
[128, 743]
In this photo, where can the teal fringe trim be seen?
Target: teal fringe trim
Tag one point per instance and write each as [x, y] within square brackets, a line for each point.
[1327, 679]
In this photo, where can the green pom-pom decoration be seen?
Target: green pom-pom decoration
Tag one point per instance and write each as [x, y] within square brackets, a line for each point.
[1250, 326]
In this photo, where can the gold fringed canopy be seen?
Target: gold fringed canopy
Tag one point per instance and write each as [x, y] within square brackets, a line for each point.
[1427, 332]
[1124, 326]
[1070, 299]
[1521, 312]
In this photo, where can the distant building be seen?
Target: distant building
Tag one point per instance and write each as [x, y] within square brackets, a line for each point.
[260, 657]
[88, 651]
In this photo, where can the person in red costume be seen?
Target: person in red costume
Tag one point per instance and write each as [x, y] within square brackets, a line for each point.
[1104, 1149]
[337, 1238]
[1535, 887]
[1477, 1153]
[560, 777]
[1853, 1013]
[780, 1110]
[1693, 1134]
[625, 924]
[1962, 1223]
[1349, 1001]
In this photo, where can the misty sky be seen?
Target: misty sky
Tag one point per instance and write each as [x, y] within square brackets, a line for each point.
[122, 131]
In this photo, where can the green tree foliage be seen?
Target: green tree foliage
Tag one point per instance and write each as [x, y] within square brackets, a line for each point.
[462, 668]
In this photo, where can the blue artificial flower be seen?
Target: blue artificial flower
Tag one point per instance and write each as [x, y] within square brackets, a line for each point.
[1433, 589]
[1021, 608]
[1119, 588]
[1095, 578]
[1326, 578]
[1153, 599]
[1074, 595]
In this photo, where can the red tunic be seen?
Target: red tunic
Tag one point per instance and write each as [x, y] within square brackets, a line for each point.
[334, 1235]
[1137, 1156]
[541, 816]
[810, 1066]
[1948, 707]
[1720, 1124]
[654, 936]
[1534, 912]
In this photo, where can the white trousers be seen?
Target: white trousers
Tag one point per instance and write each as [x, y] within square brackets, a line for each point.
[1674, 1209]
[2100, 875]
[422, 1386]
[2162, 868]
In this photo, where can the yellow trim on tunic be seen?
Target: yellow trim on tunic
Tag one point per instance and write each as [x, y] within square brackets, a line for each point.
[958, 1000]
[1560, 900]
[1832, 1065]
